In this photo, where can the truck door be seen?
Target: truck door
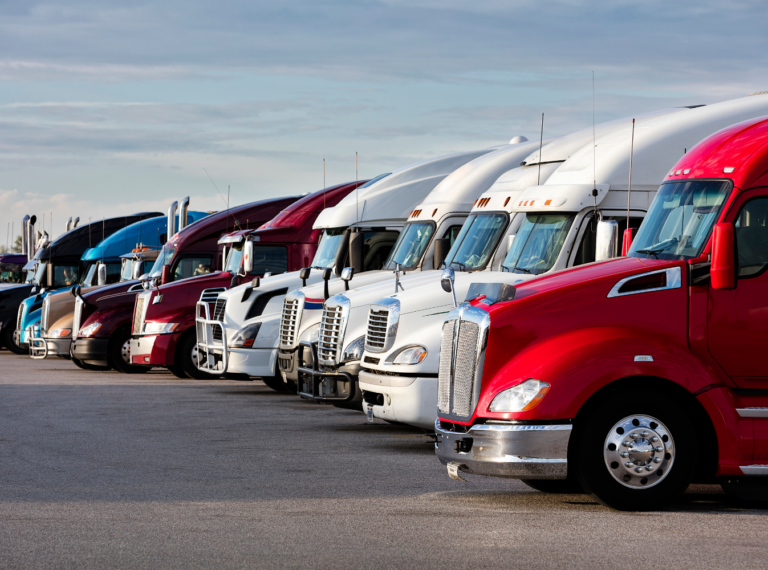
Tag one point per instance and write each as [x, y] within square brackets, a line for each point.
[738, 319]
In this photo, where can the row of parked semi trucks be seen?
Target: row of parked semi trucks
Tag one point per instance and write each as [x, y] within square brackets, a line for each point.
[545, 309]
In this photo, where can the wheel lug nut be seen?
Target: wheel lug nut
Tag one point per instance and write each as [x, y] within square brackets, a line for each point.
[628, 464]
[625, 453]
[649, 467]
[657, 459]
[658, 448]
[633, 435]
[626, 443]
[645, 434]
[638, 469]
[654, 438]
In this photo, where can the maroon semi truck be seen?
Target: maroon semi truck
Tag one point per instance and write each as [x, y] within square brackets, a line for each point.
[164, 319]
[636, 376]
[103, 317]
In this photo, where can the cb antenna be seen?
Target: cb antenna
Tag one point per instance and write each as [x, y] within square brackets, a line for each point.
[541, 144]
[631, 153]
[357, 194]
[594, 150]
[324, 184]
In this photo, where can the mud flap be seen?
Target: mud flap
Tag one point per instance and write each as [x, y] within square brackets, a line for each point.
[453, 472]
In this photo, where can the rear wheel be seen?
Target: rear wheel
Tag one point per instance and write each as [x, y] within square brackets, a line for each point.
[276, 383]
[635, 451]
[569, 486]
[186, 357]
[120, 353]
[10, 343]
[178, 372]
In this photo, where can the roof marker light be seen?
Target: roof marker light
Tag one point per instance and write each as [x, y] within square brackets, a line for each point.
[434, 212]
[728, 169]
[473, 203]
[532, 201]
[677, 172]
[548, 202]
[686, 171]
[520, 204]
[506, 202]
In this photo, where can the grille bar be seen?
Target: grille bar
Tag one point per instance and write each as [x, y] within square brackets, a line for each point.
[138, 313]
[289, 321]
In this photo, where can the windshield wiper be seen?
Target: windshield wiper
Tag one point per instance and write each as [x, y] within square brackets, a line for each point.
[659, 247]
[524, 270]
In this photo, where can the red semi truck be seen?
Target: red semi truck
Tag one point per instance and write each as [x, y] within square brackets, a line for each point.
[103, 317]
[163, 325]
[632, 377]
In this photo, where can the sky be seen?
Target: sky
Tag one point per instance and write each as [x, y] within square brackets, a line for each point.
[110, 108]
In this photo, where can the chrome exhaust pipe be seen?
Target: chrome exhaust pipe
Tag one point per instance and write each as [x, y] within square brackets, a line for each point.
[69, 223]
[75, 224]
[170, 231]
[24, 247]
[183, 209]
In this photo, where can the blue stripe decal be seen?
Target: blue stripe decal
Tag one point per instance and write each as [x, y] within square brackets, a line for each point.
[313, 306]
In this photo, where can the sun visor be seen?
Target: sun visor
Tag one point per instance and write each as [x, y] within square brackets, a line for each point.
[560, 197]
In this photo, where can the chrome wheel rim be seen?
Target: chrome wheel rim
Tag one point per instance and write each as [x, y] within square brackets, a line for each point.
[194, 355]
[639, 452]
[125, 351]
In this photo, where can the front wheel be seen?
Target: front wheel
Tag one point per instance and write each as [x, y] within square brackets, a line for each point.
[120, 353]
[635, 452]
[569, 486]
[10, 343]
[186, 358]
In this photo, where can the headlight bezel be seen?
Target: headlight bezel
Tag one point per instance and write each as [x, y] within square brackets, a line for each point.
[160, 328]
[60, 333]
[89, 330]
[245, 337]
[353, 351]
[311, 334]
[521, 397]
[412, 348]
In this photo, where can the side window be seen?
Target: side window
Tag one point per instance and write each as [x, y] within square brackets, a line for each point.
[192, 267]
[586, 250]
[752, 237]
[452, 233]
[376, 248]
[269, 259]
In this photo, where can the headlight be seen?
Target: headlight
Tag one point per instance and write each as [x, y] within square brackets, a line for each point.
[244, 337]
[159, 328]
[59, 333]
[354, 350]
[408, 355]
[90, 330]
[520, 398]
[312, 334]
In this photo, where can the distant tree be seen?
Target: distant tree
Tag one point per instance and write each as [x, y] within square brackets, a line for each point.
[16, 247]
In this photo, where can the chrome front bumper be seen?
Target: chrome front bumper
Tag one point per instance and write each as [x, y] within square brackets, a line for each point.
[213, 355]
[41, 348]
[530, 451]
[326, 384]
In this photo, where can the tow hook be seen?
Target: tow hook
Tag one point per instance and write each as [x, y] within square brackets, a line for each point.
[453, 472]
[464, 445]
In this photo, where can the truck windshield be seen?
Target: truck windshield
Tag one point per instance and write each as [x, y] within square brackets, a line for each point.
[64, 276]
[538, 243]
[165, 258]
[234, 257]
[476, 242]
[39, 272]
[411, 245]
[680, 219]
[126, 273]
[328, 247]
[88, 276]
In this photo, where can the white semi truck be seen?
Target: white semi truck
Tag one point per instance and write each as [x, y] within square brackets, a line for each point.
[373, 216]
[326, 365]
[554, 228]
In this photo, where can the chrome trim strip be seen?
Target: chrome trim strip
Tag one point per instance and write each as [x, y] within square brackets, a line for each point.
[754, 469]
[753, 412]
[674, 281]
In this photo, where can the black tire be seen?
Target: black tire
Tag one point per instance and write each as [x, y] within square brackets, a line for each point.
[9, 343]
[186, 354]
[92, 367]
[276, 382]
[569, 486]
[120, 353]
[655, 471]
[178, 372]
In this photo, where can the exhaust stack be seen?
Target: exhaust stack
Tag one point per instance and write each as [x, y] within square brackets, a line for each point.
[24, 247]
[75, 224]
[171, 221]
[31, 237]
[183, 209]
[69, 223]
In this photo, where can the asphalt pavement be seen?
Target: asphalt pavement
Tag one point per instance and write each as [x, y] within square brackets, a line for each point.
[101, 469]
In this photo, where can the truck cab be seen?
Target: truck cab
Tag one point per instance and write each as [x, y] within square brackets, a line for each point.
[549, 227]
[634, 377]
[12, 268]
[124, 256]
[163, 331]
[376, 211]
[103, 317]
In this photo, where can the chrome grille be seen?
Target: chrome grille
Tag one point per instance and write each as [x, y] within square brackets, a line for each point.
[44, 316]
[462, 354]
[444, 372]
[211, 295]
[289, 320]
[376, 336]
[332, 325]
[218, 315]
[78, 316]
[138, 313]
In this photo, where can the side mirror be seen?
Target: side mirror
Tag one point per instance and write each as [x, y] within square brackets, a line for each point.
[248, 257]
[136, 269]
[446, 282]
[165, 276]
[442, 246]
[101, 272]
[346, 275]
[356, 243]
[627, 242]
[723, 268]
[326, 278]
[304, 275]
[341, 254]
[73, 291]
[607, 240]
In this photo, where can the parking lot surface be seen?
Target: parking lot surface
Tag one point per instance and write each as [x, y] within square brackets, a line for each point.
[100, 469]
